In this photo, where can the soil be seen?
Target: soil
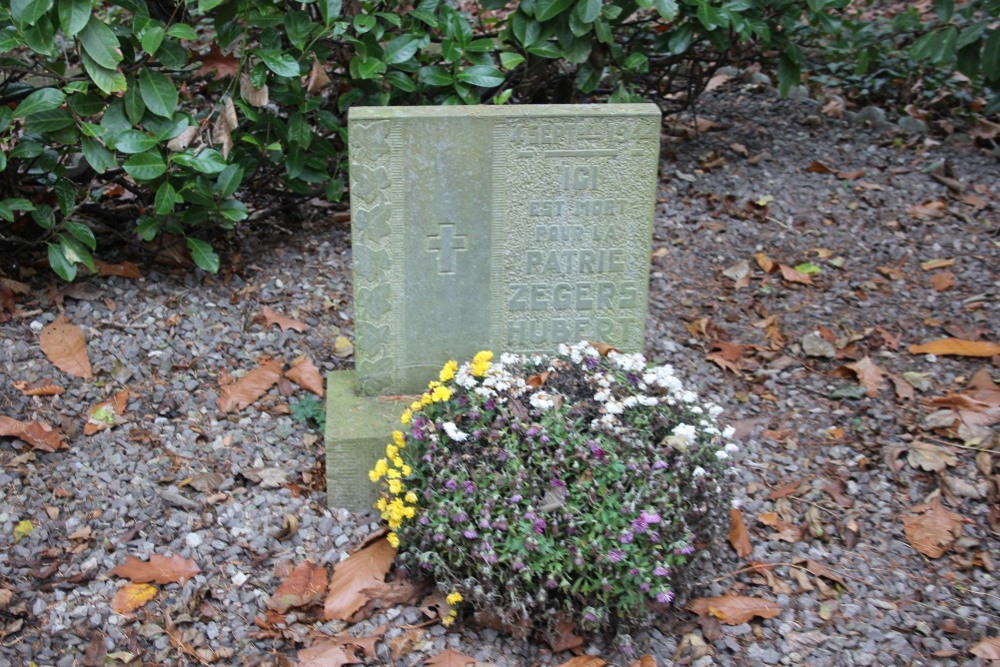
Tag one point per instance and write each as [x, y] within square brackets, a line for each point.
[797, 258]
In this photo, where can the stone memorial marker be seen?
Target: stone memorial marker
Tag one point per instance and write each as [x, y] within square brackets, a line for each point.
[511, 229]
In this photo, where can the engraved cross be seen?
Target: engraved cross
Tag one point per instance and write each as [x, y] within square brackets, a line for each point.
[446, 243]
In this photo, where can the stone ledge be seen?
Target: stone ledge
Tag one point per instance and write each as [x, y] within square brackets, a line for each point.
[357, 430]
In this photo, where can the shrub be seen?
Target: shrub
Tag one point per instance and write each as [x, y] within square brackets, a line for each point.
[542, 489]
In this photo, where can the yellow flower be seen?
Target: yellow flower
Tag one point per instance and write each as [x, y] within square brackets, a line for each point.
[415, 405]
[398, 462]
[481, 363]
[380, 469]
[410, 497]
[393, 539]
[398, 439]
[409, 512]
[381, 504]
[454, 598]
[448, 620]
[391, 452]
[426, 399]
[373, 476]
[395, 487]
[448, 372]
[392, 473]
[394, 524]
[406, 416]
[441, 393]
[407, 470]
[433, 384]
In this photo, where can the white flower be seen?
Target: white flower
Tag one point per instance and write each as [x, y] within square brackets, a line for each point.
[562, 349]
[614, 407]
[688, 396]
[630, 401]
[721, 455]
[728, 432]
[627, 362]
[685, 432]
[714, 410]
[698, 472]
[731, 448]
[509, 359]
[648, 401]
[454, 432]
[602, 396]
[541, 401]
[464, 378]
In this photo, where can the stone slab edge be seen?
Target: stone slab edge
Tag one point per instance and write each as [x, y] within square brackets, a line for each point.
[357, 430]
[493, 111]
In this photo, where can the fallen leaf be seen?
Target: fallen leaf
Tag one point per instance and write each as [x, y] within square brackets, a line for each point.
[851, 175]
[837, 490]
[957, 347]
[158, 569]
[38, 434]
[257, 97]
[325, 653]
[930, 457]
[943, 281]
[584, 661]
[904, 390]
[931, 528]
[792, 275]
[22, 530]
[644, 661]
[450, 658]
[103, 415]
[343, 347]
[317, 79]
[363, 569]
[221, 64]
[734, 609]
[932, 264]
[176, 254]
[64, 345]
[250, 387]
[563, 638]
[305, 586]
[122, 269]
[738, 536]
[271, 318]
[739, 273]
[933, 209]
[131, 597]
[766, 263]
[305, 374]
[869, 375]
[816, 167]
[988, 648]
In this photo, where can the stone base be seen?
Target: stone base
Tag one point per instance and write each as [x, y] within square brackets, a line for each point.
[357, 430]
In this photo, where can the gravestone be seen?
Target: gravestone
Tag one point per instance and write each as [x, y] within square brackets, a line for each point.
[511, 229]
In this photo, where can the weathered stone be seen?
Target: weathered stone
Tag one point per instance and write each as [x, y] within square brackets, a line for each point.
[505, 228]
[357, 431]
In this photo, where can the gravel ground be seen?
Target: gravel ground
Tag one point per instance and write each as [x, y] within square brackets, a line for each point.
[179, 477]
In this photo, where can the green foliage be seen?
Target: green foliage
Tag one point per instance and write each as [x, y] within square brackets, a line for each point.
[541, 489]
[114, 93]
[310, 410]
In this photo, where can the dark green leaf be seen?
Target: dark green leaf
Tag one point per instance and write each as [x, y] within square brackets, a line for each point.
[75, 252]
[545, 50]
[43, 99]
[134, 141]
[229, 180]
[944, 9]
[299, 132]
[44, 216]
[435, 75]
[400, 80]
[100, 43]
[789, 73]
[65, 196]
[57, 260]
[991, 56]
[135, 108]
[182, 31]
[667, 9]
[364, 22]
[546, 9]
[145, 166]
[297, 27]
[151, 39]
[203, 255]
[27, 12]
[147, 227]
[680, 39]
[166, 198]
[48, 121]
[87, 104]
[329, 9]
[108, 80]
[41, 37]
[81, 232]
[484, 76]
[278, 62]
[510, 60]
[587, 11]
[158, 92]
[233, 210]
[99, 157]
[208, 161]
[73, 15]
[400, 49]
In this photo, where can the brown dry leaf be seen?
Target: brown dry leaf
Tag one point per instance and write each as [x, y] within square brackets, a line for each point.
[932, 264]
[317, 80]
[305, 586]
[271, 318]
[325, 653]
[786, 532]
[930, 457]
[716, 81]
[250, 387]
[305, 374]
[131, 597]
[64, 345]
[221, 64]
[869, 375]
[904, 390]
[257, 97]
[603, 348]
[38, 389]
[158, 569]
[122, 270]
[450, 658]
[957, 347]
[816, 167]
[734, 609]
[644, 661]
[988, 648]
[943, 281]
[102, 416]
[931, 528]
[984, 129]
[766, 263]
[38, 434]
[584, 661]
[738, 536]
[563, 638]
[176, 254]
[792, 275]
[851, 175]
[364, 569]
[932, 209]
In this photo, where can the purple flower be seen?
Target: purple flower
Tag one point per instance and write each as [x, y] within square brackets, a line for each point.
[644, 587]
[664, 597]
[484, 523]
[639, 525]
[596, 451]
[661, 571]
[470, 534]
[626, 538]
[632, 379]
[650, 518]
[461, 517]
[417, 433]
[474, 416]
[659, 465]
[502, 455]
[424, 521]
[490, 404]
[551, 583]
[438, 537]
[634, 572]
[468, 486]
[450, 485]
[591, 363]
[558, 483]
[518, 566]
[533, 431]
[500, 525]
[689, 549]
[615, 555]
[539, 526]
[654, 536]
[544, 439]
[516, 498]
